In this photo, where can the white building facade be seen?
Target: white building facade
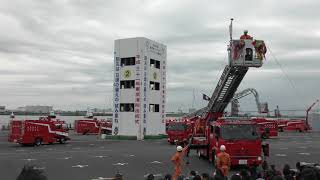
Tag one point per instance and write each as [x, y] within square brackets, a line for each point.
[139, 87]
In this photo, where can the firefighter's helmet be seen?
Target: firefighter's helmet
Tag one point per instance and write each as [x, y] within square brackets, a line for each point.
[222, 148]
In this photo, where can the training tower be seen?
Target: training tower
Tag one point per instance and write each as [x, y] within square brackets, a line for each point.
[139, 87]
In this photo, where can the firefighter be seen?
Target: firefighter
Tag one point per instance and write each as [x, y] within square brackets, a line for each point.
[177, 159]
[223, 161]
[245, 35]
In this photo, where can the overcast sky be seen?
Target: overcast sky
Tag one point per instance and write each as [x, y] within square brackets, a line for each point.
[60, 53]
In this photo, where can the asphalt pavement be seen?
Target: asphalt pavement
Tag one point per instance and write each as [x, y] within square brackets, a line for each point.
[89, 158]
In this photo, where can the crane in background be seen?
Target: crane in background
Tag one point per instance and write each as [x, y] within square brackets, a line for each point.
[309, 109]
[262, 107]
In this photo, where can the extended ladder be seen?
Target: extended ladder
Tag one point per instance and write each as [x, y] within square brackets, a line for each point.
[225, 89]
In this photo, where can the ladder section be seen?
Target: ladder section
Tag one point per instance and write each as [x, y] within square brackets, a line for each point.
[226, 87]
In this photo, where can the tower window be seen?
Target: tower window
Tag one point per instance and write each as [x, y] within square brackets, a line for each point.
[154, 85]
[129, 61]
[155, 63]
[129, 84]
[126, 107]
[154, 108]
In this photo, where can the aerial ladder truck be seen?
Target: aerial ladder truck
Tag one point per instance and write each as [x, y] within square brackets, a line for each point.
[240, 137]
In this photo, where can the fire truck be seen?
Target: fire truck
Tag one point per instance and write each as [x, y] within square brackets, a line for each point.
[240, 137]
[92, 125]
[266, 128]
[37, 132]
[299, 125]
[179, 131]
[211, 131]
[289, 125]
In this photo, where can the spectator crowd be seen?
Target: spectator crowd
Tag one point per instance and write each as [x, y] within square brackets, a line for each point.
[303, 171]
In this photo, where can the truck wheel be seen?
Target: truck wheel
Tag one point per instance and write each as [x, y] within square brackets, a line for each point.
[281, 129]
[171, 142]
[62, 140]
[38, 142]
[300, 130]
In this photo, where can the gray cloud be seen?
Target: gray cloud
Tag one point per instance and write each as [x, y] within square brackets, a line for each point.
[61, 52]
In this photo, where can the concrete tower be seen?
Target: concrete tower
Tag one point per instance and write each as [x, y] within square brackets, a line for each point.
[139, 87]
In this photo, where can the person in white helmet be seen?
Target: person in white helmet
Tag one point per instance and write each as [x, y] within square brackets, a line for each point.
[245, 35]
[223, 161]
[177, 159]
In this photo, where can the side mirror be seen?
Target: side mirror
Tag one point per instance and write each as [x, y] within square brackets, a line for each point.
[265, 150]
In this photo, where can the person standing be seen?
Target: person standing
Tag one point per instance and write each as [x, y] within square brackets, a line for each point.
[223, 161]
[177, 159]
[245, 35]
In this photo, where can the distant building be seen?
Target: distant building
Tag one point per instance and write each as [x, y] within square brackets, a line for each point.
[139, 87]
[2, 109]
[38, 109]
[97, 110]
[21, 109]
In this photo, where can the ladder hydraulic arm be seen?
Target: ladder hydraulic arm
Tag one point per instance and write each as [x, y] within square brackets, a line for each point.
[225, 89]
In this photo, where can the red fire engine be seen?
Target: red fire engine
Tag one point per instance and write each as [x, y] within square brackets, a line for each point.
[179, 131]
[92, 125]
[241, 138]
[299, 125]
[267, 128]
[37, 132]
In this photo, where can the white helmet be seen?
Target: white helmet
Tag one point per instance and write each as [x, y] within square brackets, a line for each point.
[222, 148]
[179, 148]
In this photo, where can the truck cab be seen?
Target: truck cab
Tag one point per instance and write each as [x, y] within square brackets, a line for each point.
[240, 137]
[179, 131]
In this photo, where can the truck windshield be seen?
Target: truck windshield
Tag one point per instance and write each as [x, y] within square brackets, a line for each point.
[239, 132]
[177, 127]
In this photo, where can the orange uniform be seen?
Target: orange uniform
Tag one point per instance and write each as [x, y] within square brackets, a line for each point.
[177, 159]
[245, 37]
[224, 162]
